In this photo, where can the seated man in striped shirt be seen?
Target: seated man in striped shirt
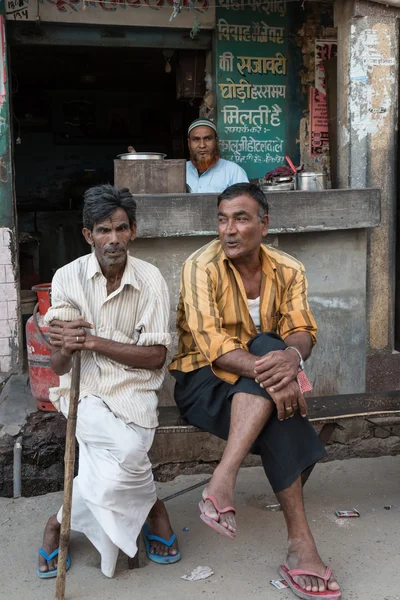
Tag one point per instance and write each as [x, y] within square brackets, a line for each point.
[244, 330]
[114, 308]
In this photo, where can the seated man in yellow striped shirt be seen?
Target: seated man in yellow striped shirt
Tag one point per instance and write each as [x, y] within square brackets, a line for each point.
[114, 308]
[244, 330]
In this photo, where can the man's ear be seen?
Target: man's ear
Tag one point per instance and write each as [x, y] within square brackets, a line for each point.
[265, 225]
[87, 234]
[133, 235]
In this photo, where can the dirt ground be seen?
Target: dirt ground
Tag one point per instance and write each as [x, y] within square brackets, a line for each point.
[363, 552]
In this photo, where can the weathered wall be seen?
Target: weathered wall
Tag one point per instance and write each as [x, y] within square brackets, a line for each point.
[9, 315]
[368, 128]
[201, 13]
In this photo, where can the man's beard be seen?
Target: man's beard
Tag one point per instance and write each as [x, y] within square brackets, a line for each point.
[203, 163]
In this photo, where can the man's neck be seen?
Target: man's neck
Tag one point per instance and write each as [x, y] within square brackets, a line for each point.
[248, 266]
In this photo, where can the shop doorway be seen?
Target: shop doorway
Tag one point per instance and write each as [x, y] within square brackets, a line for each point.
[74, 110]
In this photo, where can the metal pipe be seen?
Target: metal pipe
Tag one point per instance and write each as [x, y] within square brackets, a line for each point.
[186, 490]
[17, 467]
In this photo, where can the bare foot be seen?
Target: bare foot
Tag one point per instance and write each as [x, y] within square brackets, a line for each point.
[159, 524]
[221, 487]
[303, 554]
[51, 539]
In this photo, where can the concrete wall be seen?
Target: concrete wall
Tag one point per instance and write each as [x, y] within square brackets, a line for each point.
[336, 266]
[368, 82]
[10, 347]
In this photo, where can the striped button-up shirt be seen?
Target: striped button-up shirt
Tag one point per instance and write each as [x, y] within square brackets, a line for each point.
[136, 313]
[213, 315]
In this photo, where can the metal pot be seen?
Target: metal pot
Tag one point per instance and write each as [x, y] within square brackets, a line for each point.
[282, 180]
[278, 187]
[142, 156]
[311, 182]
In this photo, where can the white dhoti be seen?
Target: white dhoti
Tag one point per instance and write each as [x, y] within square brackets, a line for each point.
[114, 490]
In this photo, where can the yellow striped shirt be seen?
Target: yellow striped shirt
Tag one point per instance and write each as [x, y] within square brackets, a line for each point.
[213, 315]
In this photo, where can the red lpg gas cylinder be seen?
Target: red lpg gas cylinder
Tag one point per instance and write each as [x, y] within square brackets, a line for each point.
[39, 350]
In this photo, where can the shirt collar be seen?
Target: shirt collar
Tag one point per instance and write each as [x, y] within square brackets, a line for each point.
[128, 278]
[266, 264]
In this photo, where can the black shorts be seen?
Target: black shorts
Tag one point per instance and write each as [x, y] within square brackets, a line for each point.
[286, 448]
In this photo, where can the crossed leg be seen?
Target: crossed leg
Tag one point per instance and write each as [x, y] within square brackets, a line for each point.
[249, 414]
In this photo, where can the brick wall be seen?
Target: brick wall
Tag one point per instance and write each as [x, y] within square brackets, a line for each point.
[9, 312]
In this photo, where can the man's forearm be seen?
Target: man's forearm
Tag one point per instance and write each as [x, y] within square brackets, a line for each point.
[239, 362]
[130, 355]
[302, 341]
[242, 363]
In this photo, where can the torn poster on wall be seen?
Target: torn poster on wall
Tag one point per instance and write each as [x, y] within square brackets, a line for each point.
[319, 136]
[318, 105]
[372, 78]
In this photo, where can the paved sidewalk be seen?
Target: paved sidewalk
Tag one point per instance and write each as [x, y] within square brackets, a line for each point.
[364, 552]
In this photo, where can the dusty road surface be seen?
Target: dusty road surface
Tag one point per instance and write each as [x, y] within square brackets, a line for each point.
[364, 552]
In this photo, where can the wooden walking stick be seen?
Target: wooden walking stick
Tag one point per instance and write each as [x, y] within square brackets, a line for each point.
[69, 465]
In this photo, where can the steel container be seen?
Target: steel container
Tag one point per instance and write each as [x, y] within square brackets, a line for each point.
[142, 156]
[311, 182]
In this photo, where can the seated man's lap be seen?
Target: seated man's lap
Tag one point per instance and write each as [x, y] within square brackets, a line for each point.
[286, 447]
[204, 400]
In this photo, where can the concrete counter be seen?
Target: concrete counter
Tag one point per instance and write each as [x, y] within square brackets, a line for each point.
[176, 215]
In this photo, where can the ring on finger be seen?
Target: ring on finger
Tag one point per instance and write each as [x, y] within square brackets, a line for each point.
[289, 410]
[77, 339]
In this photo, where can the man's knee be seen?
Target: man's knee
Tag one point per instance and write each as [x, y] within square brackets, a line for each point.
[133, 456]
[265, 342]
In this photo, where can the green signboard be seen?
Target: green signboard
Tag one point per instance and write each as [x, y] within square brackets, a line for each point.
[252, 82]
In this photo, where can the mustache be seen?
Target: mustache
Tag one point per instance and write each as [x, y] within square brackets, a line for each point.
[114, 248]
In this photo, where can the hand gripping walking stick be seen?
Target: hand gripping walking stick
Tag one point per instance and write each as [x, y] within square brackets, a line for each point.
[69, 464]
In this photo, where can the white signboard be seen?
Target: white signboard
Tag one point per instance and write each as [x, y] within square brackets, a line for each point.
[147, 13]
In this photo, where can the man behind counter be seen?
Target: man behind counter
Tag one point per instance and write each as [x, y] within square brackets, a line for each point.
[206, 172]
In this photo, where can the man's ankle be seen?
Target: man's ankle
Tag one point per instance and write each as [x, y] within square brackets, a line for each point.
[302, 544]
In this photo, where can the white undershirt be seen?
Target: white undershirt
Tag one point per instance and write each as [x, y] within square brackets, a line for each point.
[254, 309]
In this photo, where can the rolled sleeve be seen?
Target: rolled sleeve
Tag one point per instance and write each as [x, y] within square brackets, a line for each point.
[154, 325]
[61, 307]
[296, 315]
[203, 317]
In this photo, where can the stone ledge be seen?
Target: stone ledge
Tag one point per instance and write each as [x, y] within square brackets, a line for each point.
[178, 215]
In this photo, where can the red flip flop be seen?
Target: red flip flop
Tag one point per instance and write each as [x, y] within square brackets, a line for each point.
[212, 522]
[288, 574]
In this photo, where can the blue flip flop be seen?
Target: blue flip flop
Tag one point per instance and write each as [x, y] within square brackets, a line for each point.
[53, 573]
[162, 560]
